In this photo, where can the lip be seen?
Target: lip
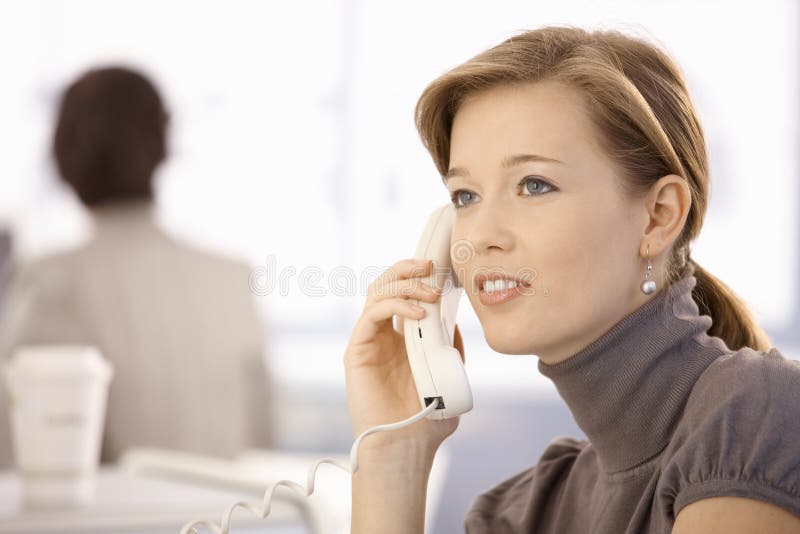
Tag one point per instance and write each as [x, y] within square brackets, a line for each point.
[498, 297]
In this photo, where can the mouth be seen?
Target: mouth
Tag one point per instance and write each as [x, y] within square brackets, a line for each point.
[497, 288]
[498, 282]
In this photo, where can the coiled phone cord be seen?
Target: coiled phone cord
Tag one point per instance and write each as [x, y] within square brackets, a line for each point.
[222, 528]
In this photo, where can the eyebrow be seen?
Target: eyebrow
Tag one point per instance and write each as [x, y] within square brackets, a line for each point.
[509, 161]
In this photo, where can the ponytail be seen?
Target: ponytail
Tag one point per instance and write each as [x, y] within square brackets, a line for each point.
[732, 320]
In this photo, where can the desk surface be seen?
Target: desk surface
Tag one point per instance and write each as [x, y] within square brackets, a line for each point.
[128, 503]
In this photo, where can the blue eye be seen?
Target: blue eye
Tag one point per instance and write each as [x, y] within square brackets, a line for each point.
[528, 180]
[534, 186]
[460, 194]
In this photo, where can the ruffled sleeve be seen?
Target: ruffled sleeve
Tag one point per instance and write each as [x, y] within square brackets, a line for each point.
[740, 435]
[508, 507]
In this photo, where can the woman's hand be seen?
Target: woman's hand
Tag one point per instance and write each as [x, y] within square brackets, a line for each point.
[380, 386]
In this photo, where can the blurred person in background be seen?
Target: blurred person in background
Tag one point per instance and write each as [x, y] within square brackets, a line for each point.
[5, 260]
[177, 323]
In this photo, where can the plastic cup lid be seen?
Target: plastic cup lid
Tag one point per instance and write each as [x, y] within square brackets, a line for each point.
[68, 361]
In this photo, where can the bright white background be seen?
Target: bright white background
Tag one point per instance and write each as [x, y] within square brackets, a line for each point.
[293, 132]
[293, 138]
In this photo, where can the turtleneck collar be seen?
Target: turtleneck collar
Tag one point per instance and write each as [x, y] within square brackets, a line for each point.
[627, 389]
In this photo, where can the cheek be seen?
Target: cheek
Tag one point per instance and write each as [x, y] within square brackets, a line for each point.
[563, 251]
[462, 257]
[592, 235]
[574, 258]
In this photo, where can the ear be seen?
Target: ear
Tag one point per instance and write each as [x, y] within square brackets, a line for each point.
[667, 208]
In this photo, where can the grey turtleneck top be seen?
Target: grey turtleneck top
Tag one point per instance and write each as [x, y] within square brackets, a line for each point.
[672, 416]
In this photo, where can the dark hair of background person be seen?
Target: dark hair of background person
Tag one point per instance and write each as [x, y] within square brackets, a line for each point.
[110, 136]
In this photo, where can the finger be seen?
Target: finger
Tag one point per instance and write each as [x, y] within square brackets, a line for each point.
[408, 289]
[375, 315]
[458, 343]
[402, 270]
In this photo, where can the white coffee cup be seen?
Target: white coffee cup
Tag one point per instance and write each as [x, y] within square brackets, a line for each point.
[57, 410]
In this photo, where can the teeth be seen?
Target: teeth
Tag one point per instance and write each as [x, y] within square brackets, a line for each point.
[490, 286]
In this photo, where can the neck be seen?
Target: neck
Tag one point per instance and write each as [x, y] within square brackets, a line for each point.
[126, 215]
[627, 389]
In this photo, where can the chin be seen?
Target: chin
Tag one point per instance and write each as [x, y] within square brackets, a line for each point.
[508, 340]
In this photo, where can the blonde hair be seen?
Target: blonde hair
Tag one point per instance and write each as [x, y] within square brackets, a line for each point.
[637, 100]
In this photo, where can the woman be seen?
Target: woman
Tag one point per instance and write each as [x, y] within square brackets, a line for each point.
[579, 154]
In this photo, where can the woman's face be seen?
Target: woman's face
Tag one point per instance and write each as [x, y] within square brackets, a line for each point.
[561, 223]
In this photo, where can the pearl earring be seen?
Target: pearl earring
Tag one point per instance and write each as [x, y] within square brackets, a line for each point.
[648, 286]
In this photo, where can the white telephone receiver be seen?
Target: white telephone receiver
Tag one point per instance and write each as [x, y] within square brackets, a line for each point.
[435, 363]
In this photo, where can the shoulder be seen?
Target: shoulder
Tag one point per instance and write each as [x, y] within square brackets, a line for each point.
[739, 432]
[207, 261]
[745, 389]
[50, 274]
[40, 302]
[562, 449]
[747, 373]
[503, 503]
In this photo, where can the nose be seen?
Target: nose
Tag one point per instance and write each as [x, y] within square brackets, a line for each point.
[489, 228]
